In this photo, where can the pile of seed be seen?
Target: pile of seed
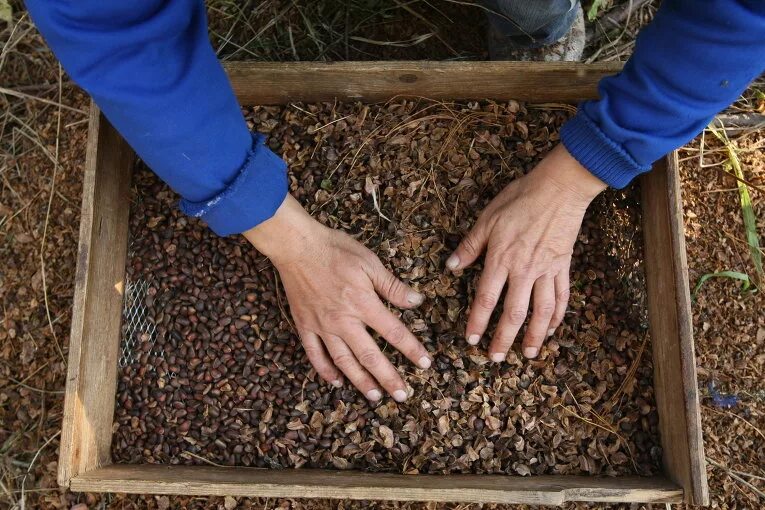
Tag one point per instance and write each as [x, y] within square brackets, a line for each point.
[220, 377]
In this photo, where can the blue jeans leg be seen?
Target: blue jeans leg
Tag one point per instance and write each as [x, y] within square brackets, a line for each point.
[531, 23]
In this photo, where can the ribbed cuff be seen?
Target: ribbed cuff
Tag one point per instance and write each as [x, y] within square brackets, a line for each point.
[597, 153]
[251, 198]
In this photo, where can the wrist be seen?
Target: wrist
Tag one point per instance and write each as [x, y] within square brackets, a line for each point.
[282, 237]
[561, 170]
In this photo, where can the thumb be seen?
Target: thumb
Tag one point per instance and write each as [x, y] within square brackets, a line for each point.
[469, 248]
[394, 290]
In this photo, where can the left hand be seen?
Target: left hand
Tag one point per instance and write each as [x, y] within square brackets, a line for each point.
[528, 231]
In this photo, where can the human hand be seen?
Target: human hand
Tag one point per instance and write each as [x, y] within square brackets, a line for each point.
[528, 231]
[332, 284]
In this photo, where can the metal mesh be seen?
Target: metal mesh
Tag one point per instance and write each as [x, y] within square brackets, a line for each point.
[137, 327]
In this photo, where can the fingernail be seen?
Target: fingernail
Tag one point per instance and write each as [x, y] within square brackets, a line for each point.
[452, 262]
[399, 395]
[337, 383]
[474, 339]
[374, 395]
[550, 332]
[497, 357]
[415, 298]
[424, 362]
[530, 352]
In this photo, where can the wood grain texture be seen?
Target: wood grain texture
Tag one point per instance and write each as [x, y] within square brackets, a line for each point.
[94, 341]
[260, 83]
[669, 312]
[307, 483]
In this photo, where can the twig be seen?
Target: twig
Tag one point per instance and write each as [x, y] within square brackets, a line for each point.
[9, 43]
[331, 122]
[608, 427]
[377, 205]
[614, 18]
[735, 416]
[32, 388]
[47, 217]
[750, 475]
[279, 300]
[736, 477]
[615, 41]
[413, 41]
[495, 13]
[426, 381]
[21, 95]
[630, 373]
[34, 373]
[425, 20]
[31, 464]
[186, 452]
[740, 120]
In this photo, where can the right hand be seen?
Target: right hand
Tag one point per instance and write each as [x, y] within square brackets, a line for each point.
[332, 284]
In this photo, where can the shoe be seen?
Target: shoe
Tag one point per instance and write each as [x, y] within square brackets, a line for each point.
[568, 48]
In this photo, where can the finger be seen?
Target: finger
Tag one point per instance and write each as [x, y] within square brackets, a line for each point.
[368, 354]
[346, 361]
[544, 306]
[397, 334]
[319, 358]
[469, 249]
[392, 289]
[562, 293]
[513, 317]
[487, 295]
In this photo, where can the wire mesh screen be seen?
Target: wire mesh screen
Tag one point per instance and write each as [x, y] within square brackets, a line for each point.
[137, 327]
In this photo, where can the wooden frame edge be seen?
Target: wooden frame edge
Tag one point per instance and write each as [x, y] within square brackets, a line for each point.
[84, 464]
[278, 83]
[671, 326]
[67, 454]
[94, 341]
[222, 481]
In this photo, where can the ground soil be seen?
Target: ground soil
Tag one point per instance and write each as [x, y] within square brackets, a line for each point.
[41, 160]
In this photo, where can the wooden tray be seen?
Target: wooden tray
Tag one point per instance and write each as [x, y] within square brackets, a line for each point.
[85, 462]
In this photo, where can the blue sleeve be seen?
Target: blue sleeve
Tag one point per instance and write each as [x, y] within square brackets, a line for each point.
[693, 60]
[151, 69]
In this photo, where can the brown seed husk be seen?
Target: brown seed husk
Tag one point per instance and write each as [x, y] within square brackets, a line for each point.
[407, 179]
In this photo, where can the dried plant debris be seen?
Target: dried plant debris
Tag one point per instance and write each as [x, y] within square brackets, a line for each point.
[224, 380]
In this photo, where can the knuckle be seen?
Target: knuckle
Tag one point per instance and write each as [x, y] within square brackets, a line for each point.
[487, 300]
[546, 308]
[391, 285]
[470, 243]
[563, 295]
[327, 372]
[369, 359]
[516, 316]
[396, 335]
[344, 361]
[390, 381]
[311, 351]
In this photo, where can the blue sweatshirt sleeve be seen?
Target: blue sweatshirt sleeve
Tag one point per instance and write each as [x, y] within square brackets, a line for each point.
[693, 60]
[151, 69]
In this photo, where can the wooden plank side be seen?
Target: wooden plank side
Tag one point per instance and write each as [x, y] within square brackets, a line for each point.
[669, 311]
[279, 83]
[94, 341]
[307, 483]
